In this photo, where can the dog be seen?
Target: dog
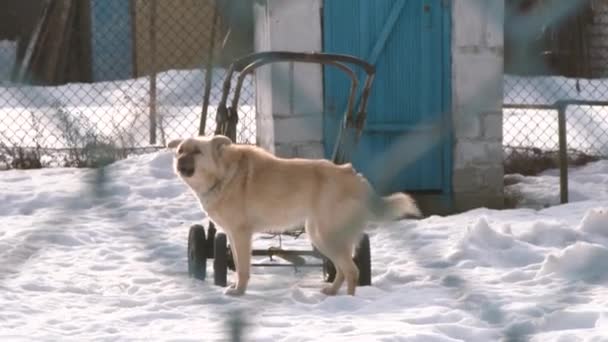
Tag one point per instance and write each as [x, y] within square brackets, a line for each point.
[244, 190]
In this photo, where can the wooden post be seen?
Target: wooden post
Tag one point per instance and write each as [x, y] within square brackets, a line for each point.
[208, 72]
[153, 72]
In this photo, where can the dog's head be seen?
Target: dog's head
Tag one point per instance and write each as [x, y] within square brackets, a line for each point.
[198, 160]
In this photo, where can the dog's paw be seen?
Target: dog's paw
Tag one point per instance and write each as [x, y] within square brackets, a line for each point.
[233, 291]
[329, 291]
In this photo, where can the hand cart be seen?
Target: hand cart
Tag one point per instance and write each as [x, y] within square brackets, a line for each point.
[214, 245]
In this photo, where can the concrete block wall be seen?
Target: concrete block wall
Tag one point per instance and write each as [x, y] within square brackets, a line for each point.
[477, 96]
[598, 39]
[290, 95]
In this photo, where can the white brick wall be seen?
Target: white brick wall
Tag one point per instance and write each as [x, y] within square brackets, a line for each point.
[598, 41]
[477, 90]
[290, 95]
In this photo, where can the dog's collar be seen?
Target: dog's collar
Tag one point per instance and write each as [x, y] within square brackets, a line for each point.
[220, 182]
[214, 187]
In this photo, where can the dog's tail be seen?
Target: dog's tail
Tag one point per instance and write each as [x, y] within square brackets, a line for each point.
[394, 207]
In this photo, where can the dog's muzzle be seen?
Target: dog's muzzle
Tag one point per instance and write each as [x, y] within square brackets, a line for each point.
[185, 165]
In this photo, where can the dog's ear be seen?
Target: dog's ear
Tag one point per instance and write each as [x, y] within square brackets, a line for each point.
[218, 142]
[174, 143]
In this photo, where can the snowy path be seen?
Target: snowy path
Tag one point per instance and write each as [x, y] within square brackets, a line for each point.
[74, 266]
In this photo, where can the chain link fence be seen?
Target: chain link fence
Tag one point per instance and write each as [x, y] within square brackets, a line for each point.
[560, 60]
[88, 82]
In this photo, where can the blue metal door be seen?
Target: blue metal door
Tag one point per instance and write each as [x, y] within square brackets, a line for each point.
[406, 142]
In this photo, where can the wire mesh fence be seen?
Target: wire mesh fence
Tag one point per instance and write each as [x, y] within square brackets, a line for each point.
[564, 59]
[97, 80]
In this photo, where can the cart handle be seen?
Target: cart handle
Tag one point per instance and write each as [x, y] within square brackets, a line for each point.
[354, 84]
[248, 63]
[312, 57]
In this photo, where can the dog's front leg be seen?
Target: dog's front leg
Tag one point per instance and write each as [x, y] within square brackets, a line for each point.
[241, 241]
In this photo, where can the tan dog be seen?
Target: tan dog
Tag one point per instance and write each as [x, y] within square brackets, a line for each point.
[245, 190]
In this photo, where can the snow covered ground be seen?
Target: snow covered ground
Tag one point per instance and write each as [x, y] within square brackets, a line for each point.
[87, 260]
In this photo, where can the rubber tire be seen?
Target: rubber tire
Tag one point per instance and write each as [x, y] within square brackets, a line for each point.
[220, 260]
[329, 270]
[197, 255]
[211, 231]
[363, 260]
[231, 265]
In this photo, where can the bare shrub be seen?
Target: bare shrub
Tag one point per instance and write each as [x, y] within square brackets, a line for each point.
[532, 161]
[17, 156]
[85, 146]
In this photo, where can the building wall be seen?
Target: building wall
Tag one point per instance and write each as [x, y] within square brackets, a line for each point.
[477, 96]
[290, 95]
[290, 123]
[598, 39]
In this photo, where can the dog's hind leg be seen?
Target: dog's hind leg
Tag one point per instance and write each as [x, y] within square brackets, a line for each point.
[346, 269]
[339, 243]
[242, 250]
[334, 287]
[312, 230]
[351, 271]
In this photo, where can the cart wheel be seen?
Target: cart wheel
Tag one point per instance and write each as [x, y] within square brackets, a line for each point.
[220, 260]
[197, 256]
[231, 265]
[329, 270]
[211, 231]
[363, 260]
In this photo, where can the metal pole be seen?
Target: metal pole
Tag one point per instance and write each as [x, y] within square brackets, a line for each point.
[563, 153]
[153, 72]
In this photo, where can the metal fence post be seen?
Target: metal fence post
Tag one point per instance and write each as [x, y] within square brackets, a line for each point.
[563, 152]
[153, 73]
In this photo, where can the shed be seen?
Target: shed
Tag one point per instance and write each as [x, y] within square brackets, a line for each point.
[434, 119]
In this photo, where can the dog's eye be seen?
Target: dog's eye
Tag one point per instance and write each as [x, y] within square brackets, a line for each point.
[180, 150]
[197, 151]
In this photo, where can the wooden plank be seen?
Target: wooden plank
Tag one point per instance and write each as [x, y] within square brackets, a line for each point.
[34, 39]
[57, 28]
[67, 47]
[85, 62]
[386, 31]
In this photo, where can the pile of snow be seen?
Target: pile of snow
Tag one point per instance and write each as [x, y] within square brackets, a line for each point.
[584, 183]
[481, 243]
[595, 221]
[88, 256]
[581, 261]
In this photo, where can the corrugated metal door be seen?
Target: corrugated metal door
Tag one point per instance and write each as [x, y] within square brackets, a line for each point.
[406, 143]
